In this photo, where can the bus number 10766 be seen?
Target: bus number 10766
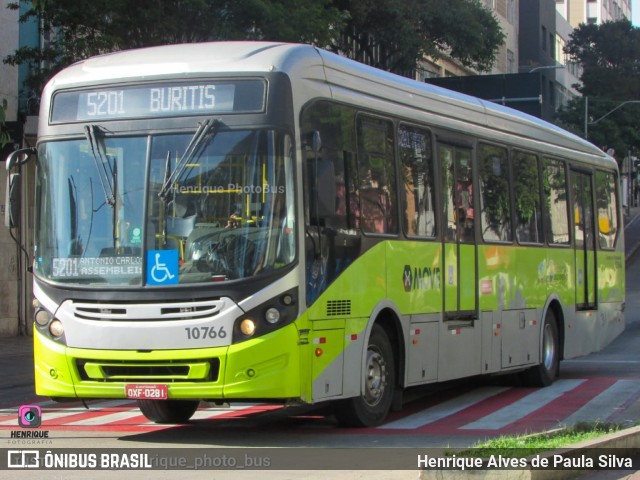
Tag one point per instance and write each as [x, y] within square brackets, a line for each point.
[197, 333]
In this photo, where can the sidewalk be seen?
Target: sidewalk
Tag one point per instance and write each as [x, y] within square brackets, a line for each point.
[14, 346]
[631, 231]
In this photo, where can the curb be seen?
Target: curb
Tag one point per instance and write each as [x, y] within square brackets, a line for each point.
[626, 442]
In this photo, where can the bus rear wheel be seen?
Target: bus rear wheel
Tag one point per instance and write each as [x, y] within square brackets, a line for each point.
[545, 373]
[371, 407]
[168, 411]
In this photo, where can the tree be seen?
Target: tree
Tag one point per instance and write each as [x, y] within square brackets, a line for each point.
[393, 34]
[79, 29]
[610, 58]
[401, 31]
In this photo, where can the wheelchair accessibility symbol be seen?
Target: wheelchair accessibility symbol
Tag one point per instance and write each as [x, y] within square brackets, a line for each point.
[162, 267]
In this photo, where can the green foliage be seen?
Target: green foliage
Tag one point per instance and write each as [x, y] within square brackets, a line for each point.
[525, 445]
[610, 57]
[79, 29]
[406, 30]
[402, 30]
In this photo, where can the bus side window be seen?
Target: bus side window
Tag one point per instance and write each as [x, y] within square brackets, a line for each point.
[332, 243]
[419, 191]
[607, 208]
[526, 192]
[376, 176]
[495, 200]
[556, 210]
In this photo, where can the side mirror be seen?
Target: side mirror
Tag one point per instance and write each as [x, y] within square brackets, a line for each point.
[12, 212]
[14, 185]
[14, 160]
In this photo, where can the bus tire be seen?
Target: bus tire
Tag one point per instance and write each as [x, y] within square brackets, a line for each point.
[545, 373]
[168, 411]
[372, 406]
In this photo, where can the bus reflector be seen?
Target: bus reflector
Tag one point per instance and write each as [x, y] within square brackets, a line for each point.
[319, 352]
[486, 287]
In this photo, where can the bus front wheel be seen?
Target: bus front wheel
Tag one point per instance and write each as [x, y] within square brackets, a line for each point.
[373, 404]
[168, 411]
[545, 373]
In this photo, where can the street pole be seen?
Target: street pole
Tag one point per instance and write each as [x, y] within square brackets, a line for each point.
[586, 117]
[586, 114]
[630, 189]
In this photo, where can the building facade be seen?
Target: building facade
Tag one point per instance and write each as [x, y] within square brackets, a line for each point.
[593, 11]
[15, 281]
[506, 13]
[545, 79]
[9, 253]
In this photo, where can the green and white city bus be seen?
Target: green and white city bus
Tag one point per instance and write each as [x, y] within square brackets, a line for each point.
[272, 222]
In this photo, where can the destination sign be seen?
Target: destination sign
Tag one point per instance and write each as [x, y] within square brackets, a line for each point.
[159, 100]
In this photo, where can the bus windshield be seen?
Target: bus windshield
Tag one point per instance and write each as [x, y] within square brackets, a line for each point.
[164, 209]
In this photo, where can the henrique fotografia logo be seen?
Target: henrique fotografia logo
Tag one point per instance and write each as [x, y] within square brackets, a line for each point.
[29, 419]
[29, 416]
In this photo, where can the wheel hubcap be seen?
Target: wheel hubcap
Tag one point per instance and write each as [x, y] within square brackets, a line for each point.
[376, 380]
[548, 348]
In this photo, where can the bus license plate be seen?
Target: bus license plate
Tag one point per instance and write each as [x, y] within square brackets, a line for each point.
[146, 392]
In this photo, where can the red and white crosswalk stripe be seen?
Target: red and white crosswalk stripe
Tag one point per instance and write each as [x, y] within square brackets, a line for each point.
[488, 409]
[525, 406]
[505, 410]
[117, 415]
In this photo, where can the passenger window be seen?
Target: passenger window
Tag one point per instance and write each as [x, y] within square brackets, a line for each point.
[376, 176]
[526, 193]
[495, 203]
[416, 162]
[607, 209]
[556, 218]
[456, 169]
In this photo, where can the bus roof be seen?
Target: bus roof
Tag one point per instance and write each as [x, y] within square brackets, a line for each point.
[345, 78]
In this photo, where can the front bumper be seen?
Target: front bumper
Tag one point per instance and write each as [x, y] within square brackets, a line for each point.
[266, 367]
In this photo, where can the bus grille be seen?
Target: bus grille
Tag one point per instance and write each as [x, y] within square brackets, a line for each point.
[167, 371]
[338, 307]
[175, 310]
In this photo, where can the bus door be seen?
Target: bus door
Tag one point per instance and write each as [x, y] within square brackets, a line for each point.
[585, 240]
[459, 334]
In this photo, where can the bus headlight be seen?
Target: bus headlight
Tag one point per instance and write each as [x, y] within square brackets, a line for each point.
[42, 317]
[247, 327]
[56, 329]
[272, 315]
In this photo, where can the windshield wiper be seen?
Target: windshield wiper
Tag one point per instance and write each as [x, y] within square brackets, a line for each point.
[195, 145]
[104, 175]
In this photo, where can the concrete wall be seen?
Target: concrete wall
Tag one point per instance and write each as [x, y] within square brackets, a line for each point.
[9, 278]
[8, 271]
[9, 31]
